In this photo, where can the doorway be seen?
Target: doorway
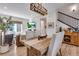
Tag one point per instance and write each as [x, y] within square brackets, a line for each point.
[43, 27]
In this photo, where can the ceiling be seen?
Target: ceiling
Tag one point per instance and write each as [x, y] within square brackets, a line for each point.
[69, 10]
[22, 10]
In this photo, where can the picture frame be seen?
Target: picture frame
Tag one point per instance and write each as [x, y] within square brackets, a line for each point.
[50, 24]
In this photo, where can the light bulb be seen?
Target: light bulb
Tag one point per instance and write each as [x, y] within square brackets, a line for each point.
[74, 8]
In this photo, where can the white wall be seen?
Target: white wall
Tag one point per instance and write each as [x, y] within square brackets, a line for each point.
[37, 20]
[59, 24]
[51, 17]
[52, 30]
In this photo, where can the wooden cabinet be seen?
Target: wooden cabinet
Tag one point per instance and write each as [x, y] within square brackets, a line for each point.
[74, 38]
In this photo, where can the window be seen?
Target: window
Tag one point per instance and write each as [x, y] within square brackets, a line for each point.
[16, 27]
[31, 25]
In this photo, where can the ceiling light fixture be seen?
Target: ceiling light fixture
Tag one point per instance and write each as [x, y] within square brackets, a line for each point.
[74, 8]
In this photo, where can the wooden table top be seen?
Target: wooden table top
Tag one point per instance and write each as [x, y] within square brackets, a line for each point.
[37, 44]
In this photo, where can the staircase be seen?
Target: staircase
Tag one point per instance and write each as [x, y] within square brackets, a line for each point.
[69, 20]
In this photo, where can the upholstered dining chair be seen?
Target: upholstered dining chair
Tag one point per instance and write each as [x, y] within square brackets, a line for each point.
[8, 38]
[55, 44]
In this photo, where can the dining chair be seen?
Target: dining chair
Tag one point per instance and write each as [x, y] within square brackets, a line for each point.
[55, 44]
[9, 38]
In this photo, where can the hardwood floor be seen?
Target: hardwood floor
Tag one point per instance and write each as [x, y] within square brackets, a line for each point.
[11, 52]
[21, 51]
[67, 50]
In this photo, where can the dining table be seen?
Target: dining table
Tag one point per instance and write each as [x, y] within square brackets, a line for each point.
[36, 47]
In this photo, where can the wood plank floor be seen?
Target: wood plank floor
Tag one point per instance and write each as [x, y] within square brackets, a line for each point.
[67, 50]
[11, 52]
[21, 51]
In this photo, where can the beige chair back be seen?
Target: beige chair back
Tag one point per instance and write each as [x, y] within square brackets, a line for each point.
[55, 44]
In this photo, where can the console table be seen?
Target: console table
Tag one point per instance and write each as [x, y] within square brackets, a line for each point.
[71, 38]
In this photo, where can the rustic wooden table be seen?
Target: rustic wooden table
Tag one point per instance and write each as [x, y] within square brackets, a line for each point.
[35, 46]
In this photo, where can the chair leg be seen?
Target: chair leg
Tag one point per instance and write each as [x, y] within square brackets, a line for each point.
[59, 53]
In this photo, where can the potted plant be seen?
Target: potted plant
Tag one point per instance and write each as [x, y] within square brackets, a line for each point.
[4, 25]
